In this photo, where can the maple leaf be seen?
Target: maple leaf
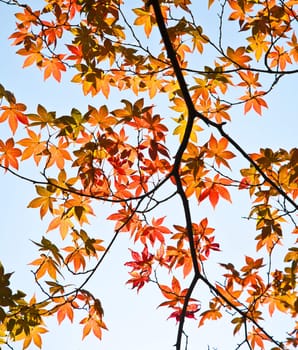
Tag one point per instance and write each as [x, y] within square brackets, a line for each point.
[258, 45]
[182, 49]
[58, 154]
[48, 246]
[180, 129]
[238, 321]
[45, 201]
[279, 58]
[33, 53]
[144, 18]
[61, 182]
[61, 221]
[202, 90]
[174, 295]
[34, 146]
[103, 84]
[52, 32]
[42, 118]
[93, 323]
[241, 8]
[153, 232]
[190, 312]
[9, 154]
[79, 207]
[139, 183]
[238, 56]
[152, 123]
[34, 335]
[141, 261]
[180, 258]
[217, 149]
[256, 102]
[219, 112]
[101, 117]
[210, 245]
[269, 240]
[77, 53]
[193, 160]
[28, 17]
[138, 279]
[53, 66]
[76, 256]
[14, 114]
[215, 189]
[198, 39]
[250, 79]
[153, 84]
[212, 314]
[205, 105]
[271, 302]
[65, 309]
[228, 292]
[125, 222]
[252, 264]
[179, 106]
[155, 148]
[92, 246]
[45, 265]
[256, 338]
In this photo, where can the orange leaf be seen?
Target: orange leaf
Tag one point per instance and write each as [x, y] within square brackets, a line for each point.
[14, 114]
[215, 189]
[54, 67]
[174, 295]
[35, 336]
[66, 310]
[144, 18]
[33, 53]
[9, 154]
[58, 154]
[238, 56]
[76, 256]
[279, 58]
[256, 338]
[213, 314]
[255, 102]
[217, 149]
[34, 146]
[94, 323]
[45, 265]
[45, 201]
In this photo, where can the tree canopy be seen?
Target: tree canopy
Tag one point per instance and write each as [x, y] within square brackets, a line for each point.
[162, 156]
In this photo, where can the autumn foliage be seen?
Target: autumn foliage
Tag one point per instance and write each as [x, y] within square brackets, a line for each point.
[137, 155]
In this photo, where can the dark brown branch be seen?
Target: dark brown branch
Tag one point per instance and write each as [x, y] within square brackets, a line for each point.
[181, 81]
[175, 172]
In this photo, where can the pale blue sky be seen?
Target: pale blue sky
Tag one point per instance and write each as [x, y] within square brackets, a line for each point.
[133, 321]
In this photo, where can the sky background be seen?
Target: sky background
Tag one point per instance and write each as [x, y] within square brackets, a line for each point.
[134, 322]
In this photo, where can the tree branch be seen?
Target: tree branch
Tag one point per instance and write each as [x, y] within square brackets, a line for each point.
[192, 113]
